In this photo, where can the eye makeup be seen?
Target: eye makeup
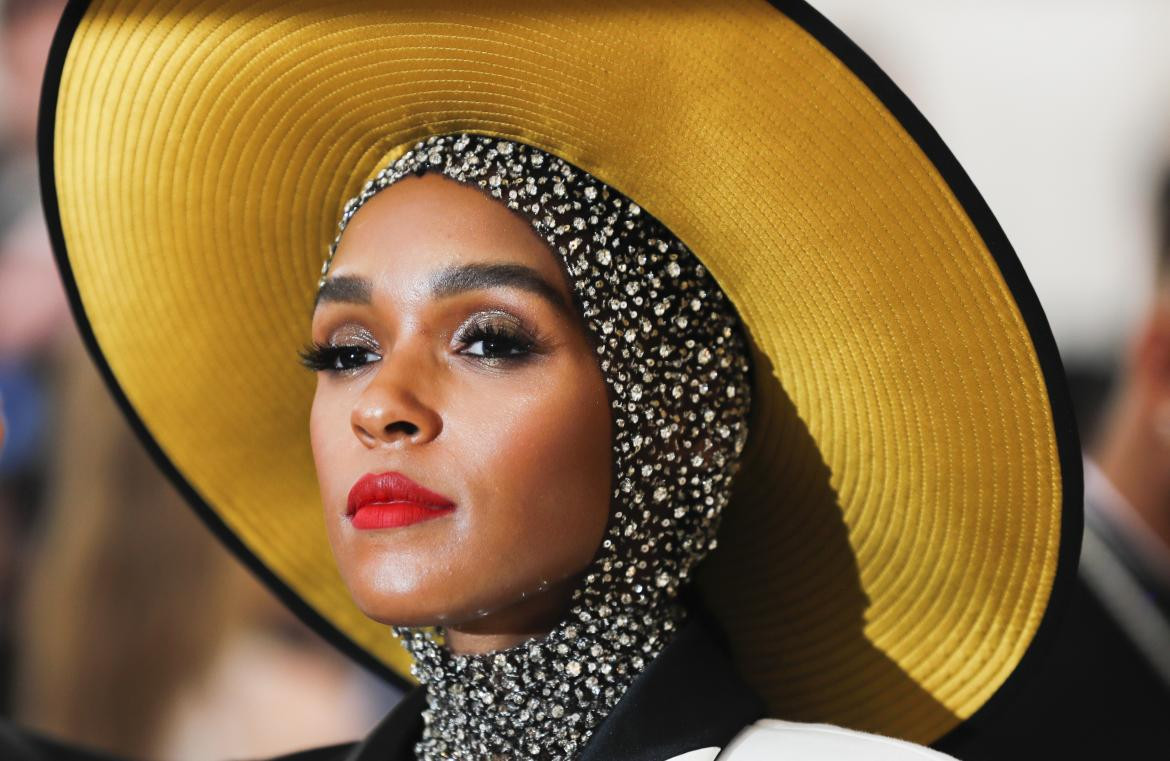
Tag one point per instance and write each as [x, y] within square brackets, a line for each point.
[491, 337]
[336, 358]
[495, 337]
[349, 348]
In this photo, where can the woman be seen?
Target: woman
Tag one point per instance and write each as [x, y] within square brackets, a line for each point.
[497, 367]
[895, 531]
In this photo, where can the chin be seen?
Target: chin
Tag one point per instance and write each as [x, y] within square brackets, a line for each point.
[437, 599]
[400, 609]
[388, 613]
[420, 611]
[407, 594]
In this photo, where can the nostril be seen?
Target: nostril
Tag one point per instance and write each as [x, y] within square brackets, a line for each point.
[402, 426]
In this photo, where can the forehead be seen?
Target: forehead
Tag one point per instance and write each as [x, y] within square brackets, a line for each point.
[420, 224]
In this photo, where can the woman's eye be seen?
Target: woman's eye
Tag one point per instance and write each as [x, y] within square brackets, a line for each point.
[350, 357]
[495, 341]
[337, 358]
[496, 346]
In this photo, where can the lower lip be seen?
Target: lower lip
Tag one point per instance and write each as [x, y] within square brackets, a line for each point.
[395, 514]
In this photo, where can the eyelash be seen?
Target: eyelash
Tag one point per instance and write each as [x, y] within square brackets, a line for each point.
[520, 345]
[321, 357]
[329, 358]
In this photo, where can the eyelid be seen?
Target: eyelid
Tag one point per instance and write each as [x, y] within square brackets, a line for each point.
[350, 333]
[508, 322]
[482, 316]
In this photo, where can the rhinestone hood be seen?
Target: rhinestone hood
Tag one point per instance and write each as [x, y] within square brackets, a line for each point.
[675, 363]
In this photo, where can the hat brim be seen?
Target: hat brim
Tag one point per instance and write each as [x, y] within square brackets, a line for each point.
[910, 502]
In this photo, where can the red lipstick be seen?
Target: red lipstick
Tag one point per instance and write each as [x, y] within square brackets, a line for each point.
[391, 500]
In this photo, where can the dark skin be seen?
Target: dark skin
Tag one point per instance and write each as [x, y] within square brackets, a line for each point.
[463, 364]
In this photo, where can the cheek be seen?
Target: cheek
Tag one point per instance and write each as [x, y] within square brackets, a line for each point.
[541, 469]
[333, 443]
[538, 469]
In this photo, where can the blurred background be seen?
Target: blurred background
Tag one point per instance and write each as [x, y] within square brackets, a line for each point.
[124, 625]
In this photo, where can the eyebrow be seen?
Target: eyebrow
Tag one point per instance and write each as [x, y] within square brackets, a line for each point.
[450, 281]
[469, 277]
[347, 289]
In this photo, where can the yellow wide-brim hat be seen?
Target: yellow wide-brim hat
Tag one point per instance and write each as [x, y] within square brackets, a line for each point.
[911, 492]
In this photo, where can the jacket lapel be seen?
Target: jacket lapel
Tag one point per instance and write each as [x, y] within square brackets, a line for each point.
[394, 737]
[688, 698]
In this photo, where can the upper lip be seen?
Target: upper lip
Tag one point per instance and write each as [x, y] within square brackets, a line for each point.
[382, 488]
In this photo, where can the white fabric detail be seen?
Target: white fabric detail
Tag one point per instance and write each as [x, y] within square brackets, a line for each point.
[1125, 599]
[1104, 500]
[772, 739]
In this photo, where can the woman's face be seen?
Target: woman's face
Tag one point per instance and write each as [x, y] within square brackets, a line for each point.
[458, 361]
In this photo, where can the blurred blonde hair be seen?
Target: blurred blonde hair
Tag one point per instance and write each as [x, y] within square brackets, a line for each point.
[128, 597]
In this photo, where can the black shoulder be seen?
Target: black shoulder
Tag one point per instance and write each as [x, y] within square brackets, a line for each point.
[20, 744]
[326, 753]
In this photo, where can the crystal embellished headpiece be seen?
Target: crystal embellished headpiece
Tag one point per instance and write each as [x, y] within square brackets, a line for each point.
[675, 363]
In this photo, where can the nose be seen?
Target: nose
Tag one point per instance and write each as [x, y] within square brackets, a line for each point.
[389, 411]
